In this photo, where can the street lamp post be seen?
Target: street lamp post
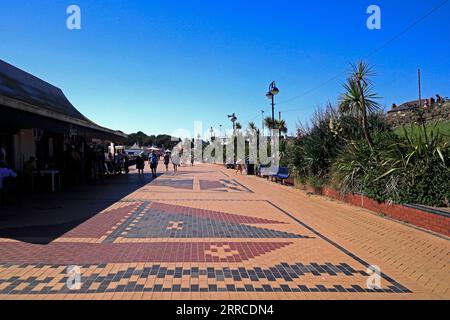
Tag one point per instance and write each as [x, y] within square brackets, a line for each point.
[262, 124]
[273, 91]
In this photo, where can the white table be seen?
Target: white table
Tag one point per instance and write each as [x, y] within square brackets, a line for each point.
[52, 173]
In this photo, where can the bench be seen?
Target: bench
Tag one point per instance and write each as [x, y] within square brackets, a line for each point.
[269, 172]
[264, 171]
[283, 174]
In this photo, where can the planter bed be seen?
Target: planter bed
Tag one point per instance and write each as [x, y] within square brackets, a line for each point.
[433, 219]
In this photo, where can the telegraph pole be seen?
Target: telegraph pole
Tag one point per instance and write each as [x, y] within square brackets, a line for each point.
[420, 88]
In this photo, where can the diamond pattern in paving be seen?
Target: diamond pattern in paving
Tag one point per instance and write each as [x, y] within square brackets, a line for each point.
[217, 238]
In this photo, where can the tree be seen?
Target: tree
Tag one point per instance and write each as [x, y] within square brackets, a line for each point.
[358, 98]
[268, 122]
[238, 126]
[279, 124]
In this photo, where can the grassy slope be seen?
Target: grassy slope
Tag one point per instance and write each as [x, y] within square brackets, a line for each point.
[443, 127]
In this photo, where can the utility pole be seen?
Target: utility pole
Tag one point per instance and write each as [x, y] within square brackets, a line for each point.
[420, 88]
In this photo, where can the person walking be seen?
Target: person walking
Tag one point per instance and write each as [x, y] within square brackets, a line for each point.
[239, 167]
[167, 160]
[176, 161]
[153, 163]
[28, 170]
[140, 164]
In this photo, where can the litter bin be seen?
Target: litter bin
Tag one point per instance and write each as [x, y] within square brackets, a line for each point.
[250, 169]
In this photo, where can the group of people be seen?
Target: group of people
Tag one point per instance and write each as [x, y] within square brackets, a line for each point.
[154, 160]
[118, 163]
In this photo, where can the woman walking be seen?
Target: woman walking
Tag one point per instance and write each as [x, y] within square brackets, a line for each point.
[140, 164]
[176, 161]
[167, 160]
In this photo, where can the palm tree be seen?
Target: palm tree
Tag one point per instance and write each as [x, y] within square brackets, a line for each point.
[268, 122]
[238, 126]
[358, 98]
[281, 125]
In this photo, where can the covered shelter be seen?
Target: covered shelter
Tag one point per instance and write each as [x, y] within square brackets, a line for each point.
[37, 120]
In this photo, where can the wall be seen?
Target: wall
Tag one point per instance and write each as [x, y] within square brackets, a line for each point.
[427, 218]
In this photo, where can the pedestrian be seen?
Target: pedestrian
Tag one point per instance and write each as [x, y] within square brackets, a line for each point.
[3, 155]
[119, 162]
[176, 161]
[126, 163]
[4, 173]
[140, 164]
[28, 169]
[239, 167]
[167, 160]
[153, 159]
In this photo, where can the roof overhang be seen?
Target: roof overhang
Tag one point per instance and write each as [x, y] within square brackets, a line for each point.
[27, 107]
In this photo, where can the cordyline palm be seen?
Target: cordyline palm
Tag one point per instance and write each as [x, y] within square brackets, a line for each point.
[252, 126]
[358, 98]
[268, 122]
[279, 124]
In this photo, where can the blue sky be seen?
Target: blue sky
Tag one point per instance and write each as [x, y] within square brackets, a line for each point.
[157, 66]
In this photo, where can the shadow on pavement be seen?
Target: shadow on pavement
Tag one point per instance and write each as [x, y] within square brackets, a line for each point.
[40, 218]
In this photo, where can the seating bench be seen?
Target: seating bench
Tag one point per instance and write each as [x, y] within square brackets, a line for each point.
[283, 174]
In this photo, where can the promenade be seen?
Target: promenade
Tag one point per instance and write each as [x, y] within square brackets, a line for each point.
[207, 233]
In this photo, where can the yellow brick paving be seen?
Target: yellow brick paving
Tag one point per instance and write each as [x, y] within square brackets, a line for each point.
[308, 231]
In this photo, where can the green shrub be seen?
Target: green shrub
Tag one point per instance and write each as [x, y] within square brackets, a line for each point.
[408, 169]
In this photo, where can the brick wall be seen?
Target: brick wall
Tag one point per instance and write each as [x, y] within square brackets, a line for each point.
[429, 219]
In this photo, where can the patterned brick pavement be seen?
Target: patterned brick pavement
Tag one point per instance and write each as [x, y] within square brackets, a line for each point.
[206, 233]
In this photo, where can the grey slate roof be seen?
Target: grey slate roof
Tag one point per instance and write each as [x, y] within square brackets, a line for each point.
[20, 85]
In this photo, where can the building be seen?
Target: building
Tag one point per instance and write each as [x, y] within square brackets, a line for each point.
[429, 110]
[37, 120]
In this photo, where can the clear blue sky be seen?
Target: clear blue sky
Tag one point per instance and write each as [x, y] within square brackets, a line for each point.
[160, 65]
